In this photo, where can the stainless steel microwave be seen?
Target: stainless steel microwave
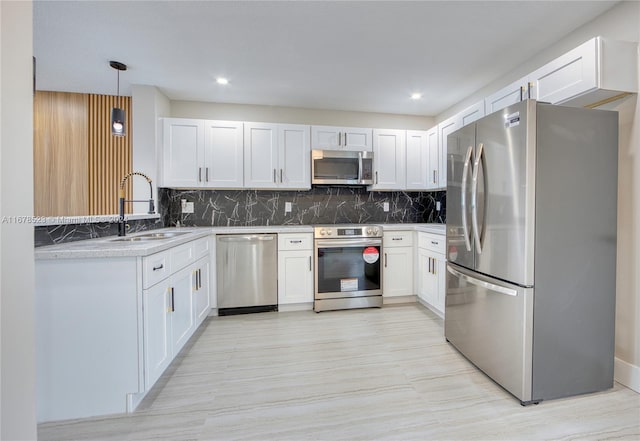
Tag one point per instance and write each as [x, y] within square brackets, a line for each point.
[339, 167]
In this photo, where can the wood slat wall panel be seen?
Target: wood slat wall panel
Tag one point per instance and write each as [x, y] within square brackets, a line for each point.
[60, 154]
[110, 157]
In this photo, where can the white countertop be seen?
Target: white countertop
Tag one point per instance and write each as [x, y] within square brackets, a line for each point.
[112, 247]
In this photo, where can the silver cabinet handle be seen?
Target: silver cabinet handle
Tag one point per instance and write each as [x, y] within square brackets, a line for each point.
[206, 169]
[339, 138]
[281, 176]
[430, 265]
[463, 197]
[385, 260]
[199, 174]
[435, 181]
[376, 177]
[345, 139]
[173, 300]
[481, 283]
[310, 268]
[274, 176]
[433, 242]
[396, 238]
[295, 241]
[523, 90]
[156, 268]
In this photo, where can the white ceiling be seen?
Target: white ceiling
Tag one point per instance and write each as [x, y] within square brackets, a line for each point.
[343, 55]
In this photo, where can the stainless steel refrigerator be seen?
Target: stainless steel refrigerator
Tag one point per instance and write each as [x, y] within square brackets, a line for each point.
[531, 248]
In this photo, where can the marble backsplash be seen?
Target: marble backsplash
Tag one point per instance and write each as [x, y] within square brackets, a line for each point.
[320, 205]
[55, 234]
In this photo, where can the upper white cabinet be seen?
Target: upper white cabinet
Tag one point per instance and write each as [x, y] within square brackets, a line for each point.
[597, 70]
[389, 148]
[417, 160]
[444, 129]
[341, 138]
[434, 161]
[471, 114]
[223, 146]
[594, 71]
[202, 154]
[277, 156]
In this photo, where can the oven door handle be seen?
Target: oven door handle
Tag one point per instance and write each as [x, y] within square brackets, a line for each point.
[340, 243]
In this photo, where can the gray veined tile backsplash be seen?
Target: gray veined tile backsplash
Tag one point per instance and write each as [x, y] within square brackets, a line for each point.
[320, 205]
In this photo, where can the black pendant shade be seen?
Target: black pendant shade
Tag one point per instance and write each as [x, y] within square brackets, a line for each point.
[118, 115]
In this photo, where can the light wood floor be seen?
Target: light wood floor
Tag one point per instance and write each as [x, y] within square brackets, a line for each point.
[374, 374]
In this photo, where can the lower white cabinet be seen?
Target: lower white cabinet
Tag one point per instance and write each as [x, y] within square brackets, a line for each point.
[431, 269]
[295, 269]
[397, 271]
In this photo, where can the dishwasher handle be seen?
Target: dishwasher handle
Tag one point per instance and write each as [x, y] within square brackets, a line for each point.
[245, 239]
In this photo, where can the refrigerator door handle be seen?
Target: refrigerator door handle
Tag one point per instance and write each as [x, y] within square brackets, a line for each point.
[463, 198]
[481, 283]
[474, 198]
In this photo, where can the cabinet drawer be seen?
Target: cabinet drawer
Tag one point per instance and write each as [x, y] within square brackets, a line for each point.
[201, 248]
[182, 256]
[156, 267]
[292, 242]
[397, 239]
[433, 242]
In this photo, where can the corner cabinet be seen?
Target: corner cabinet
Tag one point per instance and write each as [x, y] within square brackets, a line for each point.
[341, 138]
[295, 271]
[397, 270]
[202, 154]
[277, 156]
[430, 268]
[389, 150]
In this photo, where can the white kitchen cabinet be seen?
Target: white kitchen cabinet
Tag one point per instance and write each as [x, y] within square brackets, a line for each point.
[201, 292]
[417, 160]
[594, 71]
[157, 331]
[471, 113]
[341, 138]
[295, 269]
[397, 276]
[223, 155]
[431, 268]
[183, 152]
[597, 70]
[277, 156]
[389, 160]
[182, 310]
[444, 129]
[434, 161]
[202, 154]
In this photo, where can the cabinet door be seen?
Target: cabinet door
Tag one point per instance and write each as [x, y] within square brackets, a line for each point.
[431, 280]
[326, 137]
[439, 267]
[512, 94]
[569, 75]
[182, 316]
[471, 113]
[417, 160]
[444, 129]
[294, 157]
[201, 302]
[295, 277]
[261, 169]
[182, 156]
[157, 330]
[357, 139]
[223, 155]
[433, 160]
[389, 150]
[398, 272]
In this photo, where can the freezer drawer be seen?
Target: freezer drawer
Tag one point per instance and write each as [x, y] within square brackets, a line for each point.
[490, 323]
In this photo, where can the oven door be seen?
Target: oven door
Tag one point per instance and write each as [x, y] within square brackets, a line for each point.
[348, 268]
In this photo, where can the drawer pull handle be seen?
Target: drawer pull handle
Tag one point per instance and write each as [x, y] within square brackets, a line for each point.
[156, 268]
[295, 241]
[433, 242]
[396, 238]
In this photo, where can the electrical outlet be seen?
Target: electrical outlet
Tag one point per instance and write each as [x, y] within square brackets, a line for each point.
[438, 206]
[385, 206]
[287, 207]
[187, 207]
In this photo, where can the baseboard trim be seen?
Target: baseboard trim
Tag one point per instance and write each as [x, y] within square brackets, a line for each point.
[398, 299]
[627, 374]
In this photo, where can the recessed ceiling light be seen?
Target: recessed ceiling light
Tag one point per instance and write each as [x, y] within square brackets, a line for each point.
[416, 96]
[222, 80]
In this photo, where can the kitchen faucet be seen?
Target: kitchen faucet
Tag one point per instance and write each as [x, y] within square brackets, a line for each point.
[121, 225]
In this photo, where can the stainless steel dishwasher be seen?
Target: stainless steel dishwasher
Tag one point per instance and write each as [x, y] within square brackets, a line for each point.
[247, 272]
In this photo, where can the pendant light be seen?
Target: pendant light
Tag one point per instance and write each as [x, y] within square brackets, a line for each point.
[118, 115]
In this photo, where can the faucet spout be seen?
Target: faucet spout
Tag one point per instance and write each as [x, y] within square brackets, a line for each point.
[121, 201]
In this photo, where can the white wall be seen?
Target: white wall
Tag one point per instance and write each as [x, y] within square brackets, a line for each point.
[17, 323]
[622, 22]
[256, 113]
[148, 105]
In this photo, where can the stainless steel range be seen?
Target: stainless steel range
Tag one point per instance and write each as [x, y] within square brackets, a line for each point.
[348, 270]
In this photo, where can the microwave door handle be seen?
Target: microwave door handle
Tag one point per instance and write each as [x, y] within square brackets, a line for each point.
[360, 167]
[463, 198]
[474, 198]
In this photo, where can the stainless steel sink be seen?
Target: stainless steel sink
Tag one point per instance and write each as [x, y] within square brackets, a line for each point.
[150, 236]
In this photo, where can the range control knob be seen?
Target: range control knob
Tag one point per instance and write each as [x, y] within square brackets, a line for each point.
[328, 232]
[369, 231]
[322, 232]
[376, 231]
